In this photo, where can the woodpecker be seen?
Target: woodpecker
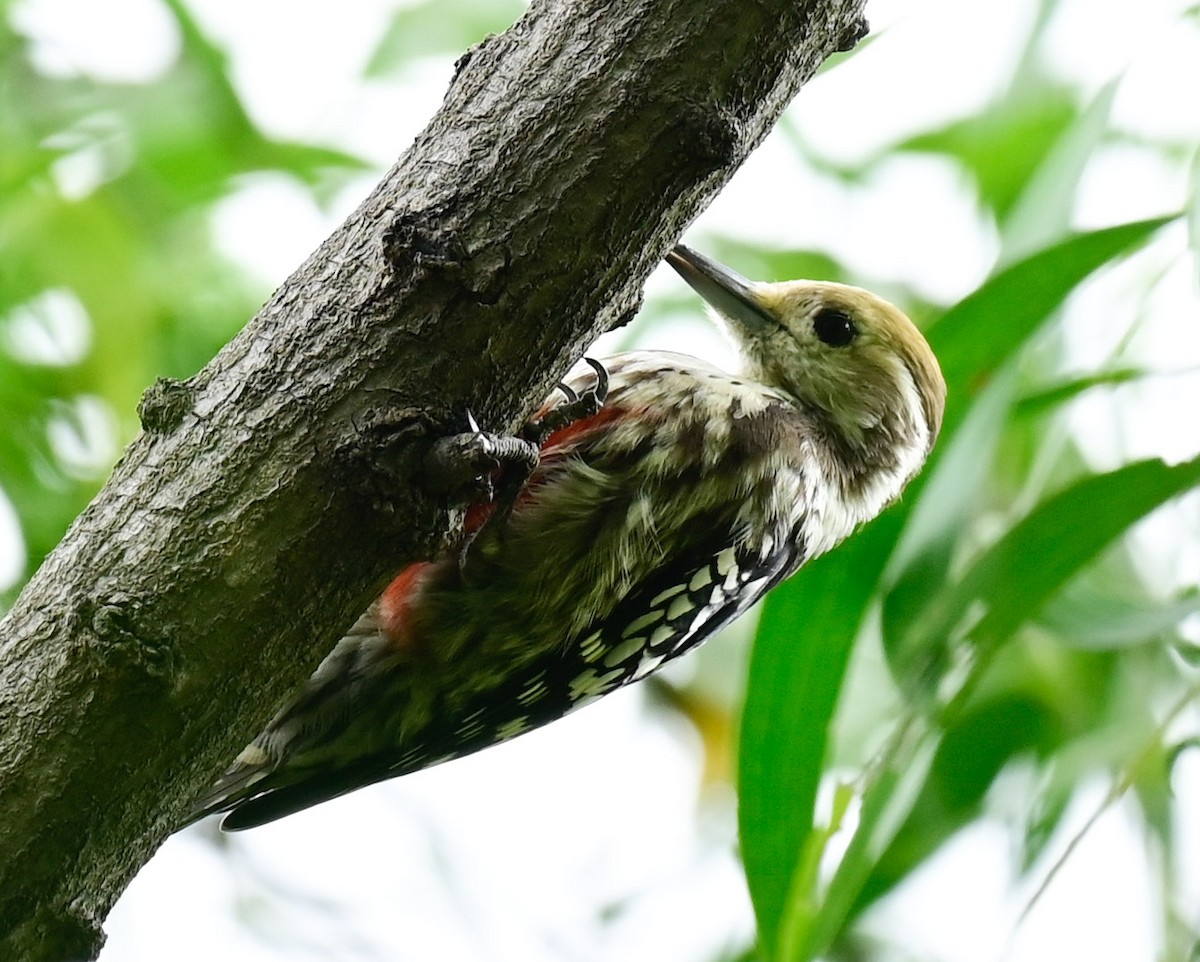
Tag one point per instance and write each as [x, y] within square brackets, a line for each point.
[680, 497]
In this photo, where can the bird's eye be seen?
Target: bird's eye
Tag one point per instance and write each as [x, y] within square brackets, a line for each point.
[834, 327]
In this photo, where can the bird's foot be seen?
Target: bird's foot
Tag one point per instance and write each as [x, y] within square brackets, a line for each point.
[486, 471]
[475, 466]
[578, 406]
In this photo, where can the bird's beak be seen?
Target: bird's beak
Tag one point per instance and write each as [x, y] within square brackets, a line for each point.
[728, 292]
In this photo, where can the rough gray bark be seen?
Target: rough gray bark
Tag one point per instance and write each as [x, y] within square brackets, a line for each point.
[268, 498]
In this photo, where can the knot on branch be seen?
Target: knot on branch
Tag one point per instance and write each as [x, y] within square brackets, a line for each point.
[117, 622]
[385, 452]
[73, 934]
[626, 314]
[707, 136]
[854, 34]
[165, 404]
[468, 55]
[423, 241]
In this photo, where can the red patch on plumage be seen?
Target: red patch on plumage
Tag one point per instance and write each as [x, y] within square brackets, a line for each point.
[476, 516]
[571, 432]
[398, 599]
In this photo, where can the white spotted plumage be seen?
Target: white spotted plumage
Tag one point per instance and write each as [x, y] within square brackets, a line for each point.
[643, 529]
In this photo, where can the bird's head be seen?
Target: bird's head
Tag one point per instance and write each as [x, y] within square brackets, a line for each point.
[855, 362]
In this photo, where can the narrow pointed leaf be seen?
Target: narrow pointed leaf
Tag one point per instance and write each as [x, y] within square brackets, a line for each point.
[1042, 212]
[1013, 579]
[974, 338]
[805, 635]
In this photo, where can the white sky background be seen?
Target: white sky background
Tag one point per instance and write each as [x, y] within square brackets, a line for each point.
[516, 853]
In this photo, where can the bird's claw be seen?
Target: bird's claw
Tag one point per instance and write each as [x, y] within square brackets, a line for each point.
[481, 468]
[578, 406]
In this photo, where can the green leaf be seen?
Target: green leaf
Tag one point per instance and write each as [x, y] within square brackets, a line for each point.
[891, 796]
[1092, 619]
[969, 757]
[438, 27]
[794, 683]
[1042, 211]
[977, 336]
[1043, 819]
[949, 495]
[975, 341]
[1005, 145]
[804, 639]
[1065, 391]
[1006, 586]
[1011, 581]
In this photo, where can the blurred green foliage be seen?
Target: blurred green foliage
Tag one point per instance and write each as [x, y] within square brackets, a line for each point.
[108, 272]
[430, 27]
[1016, 632]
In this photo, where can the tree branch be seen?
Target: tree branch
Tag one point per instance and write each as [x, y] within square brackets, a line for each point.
[273, 494]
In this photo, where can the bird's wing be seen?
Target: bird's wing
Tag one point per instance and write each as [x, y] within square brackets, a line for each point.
[657, 620]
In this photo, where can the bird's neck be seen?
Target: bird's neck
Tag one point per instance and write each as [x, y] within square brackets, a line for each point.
[869, 467]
